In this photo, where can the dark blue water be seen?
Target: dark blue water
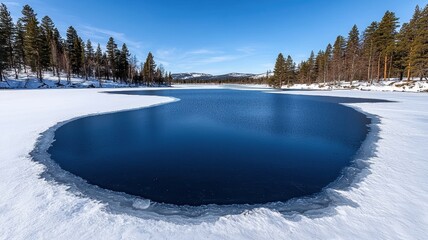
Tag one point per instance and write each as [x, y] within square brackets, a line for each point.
[215, 147]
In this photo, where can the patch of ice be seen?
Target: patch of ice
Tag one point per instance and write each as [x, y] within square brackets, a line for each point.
[141, 203]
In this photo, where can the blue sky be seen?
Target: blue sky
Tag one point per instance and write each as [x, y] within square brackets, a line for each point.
[216, 36]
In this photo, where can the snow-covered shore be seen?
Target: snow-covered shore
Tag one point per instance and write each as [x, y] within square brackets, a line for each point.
[392, 85]
[29, 81]
[390, 202]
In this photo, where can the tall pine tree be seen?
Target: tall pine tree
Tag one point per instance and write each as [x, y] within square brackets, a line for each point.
[6, 41]
[352, 53]
[279, 72]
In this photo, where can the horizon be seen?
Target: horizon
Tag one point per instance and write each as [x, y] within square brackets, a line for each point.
[216, 37]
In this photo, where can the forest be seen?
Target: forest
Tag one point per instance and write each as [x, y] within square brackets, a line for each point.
[382, 51]
[32, 46]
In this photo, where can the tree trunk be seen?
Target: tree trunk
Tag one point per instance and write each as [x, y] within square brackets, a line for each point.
[58, 74]
[369, 69]
[409, 71]
[378, 69]
[352, 69]
[390, 67]
[385, 68]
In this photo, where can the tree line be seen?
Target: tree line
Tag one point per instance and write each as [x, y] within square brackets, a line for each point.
[39, 46]
[382, 51]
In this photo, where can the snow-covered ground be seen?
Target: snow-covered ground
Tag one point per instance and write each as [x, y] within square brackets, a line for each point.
[29, 81]
[388, 202]
[392, 85]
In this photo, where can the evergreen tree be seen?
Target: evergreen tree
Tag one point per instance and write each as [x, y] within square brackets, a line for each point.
[89, 57]
[57, 52]
[74, 51]
[104, 64]
[124, 63]
[386, 35]
[111, 56]
[338, 58]
[290, 68]
[133, 69]
[370, 49]
[327, 62]
[31, 46]
[18, 46]
[352, 52]
[28, 43]
[49, 44]
[304, 72]
[319, 63]
[6, 41]
[419, 47]
[98, 63]
[45, 36]
[149, 69]
[313, 68]
[279, 72]
[84, 66]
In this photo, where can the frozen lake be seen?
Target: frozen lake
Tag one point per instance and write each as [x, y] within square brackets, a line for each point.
[215, 147]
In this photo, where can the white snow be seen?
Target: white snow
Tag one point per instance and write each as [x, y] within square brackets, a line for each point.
[390, 201]
[393, 85]
[30, 81]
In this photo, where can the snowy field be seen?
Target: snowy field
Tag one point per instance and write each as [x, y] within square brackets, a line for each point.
[388, 202]
[391, 85]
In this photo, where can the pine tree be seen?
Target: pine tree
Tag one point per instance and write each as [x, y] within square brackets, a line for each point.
[338, 58]
[89, 57]
[57, 52]
[6, 41]
[312, 68]
[124, 63]
[73, 51]
[31, 46]
[304, 72]
[370, 49]
[352, 52]
[327, 62]
[98, 63]
[386, 35]
[84, 66]
[149, 69]
[402, 53]
[319, 62]
[28, 14]
[111, 56]
[49, 44]
[419, 47]
[279, 72]
[405, 40]
[45, 36]
[104, 64]
[290, 68]
[133, 68]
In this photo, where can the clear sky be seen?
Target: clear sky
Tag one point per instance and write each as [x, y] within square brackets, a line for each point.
[216, 36]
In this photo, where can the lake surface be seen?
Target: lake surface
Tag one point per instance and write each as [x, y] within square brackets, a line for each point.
[215, 147]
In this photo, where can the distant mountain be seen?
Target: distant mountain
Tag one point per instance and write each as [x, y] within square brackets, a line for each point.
[186, 76]
[209, 77]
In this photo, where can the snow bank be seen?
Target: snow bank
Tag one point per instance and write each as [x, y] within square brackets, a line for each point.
[389, 201]
[392, 85]
[29, 81]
